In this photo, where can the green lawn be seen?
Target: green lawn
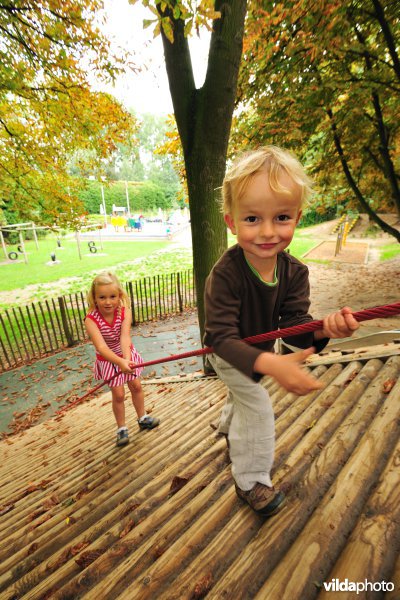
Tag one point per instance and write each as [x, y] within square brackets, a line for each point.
[18, 274]
[389, 251]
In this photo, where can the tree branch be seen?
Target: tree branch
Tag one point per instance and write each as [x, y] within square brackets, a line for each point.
[346, 169]
[391, 44]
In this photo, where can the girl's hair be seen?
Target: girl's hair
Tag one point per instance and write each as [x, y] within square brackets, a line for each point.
[274, 160]
[106, 278]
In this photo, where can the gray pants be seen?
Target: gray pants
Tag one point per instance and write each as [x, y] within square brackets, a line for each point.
[248, 419]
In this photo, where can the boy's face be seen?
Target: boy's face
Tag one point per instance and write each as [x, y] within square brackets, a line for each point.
[263, 220]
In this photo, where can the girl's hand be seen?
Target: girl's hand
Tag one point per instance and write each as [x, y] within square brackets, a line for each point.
[340, 324]
[287, 371]
[126, 365]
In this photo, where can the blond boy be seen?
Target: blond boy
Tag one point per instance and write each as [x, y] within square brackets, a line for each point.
[257, 287]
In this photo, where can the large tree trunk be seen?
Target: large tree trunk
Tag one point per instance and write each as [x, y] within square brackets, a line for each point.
[204, 117]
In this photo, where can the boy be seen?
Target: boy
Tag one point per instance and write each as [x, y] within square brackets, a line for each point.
[256, 287]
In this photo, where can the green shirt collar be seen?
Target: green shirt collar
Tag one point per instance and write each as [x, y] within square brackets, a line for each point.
[257, 274]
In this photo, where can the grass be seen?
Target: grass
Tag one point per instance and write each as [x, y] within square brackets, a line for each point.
[389, 251]
[18, 274]
[26, 283]
[301, 244]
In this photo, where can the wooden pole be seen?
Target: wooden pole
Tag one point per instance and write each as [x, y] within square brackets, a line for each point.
[35, 236]
[3, 244]
[104, 204]
[21, 241]
[78, 243]
[100, 240]
[127, 198]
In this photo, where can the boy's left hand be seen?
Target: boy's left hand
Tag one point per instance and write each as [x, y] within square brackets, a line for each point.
[340, 324]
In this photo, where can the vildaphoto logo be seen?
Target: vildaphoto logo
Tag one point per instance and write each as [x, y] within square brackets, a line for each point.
[336, 585]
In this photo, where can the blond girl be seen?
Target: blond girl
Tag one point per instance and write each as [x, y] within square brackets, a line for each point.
[108, 325]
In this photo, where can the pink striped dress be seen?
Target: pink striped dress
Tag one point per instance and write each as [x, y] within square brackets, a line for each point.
[103, 368]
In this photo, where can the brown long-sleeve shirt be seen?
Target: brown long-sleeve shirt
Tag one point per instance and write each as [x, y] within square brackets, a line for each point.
[238, 305]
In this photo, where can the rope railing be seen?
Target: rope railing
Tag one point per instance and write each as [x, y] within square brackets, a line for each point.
[384, 311]
[362, 315]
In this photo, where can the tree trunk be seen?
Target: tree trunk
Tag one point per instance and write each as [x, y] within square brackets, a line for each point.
[204, 118]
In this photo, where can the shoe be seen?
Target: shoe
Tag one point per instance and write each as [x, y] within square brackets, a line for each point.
[264, 500]
[148, 422]
[122, 437]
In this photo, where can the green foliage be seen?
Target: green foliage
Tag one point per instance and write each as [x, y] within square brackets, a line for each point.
[323, 80]
[141, 163]
[144, 196]
[47, 109]
[312, 216]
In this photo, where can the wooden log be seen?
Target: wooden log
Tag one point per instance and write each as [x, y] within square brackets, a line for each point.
[313, 412]
[246, 574]
[154, 579]
[51, 449]
[59, 454]
[198, 569]
[296, 406]
[166, 441]
[138, 553]
[116, 535]
[325, 534]
[88, 510]
[321, 431]
[116, 544]
[374, 543]
[289, 400]
[395, 579]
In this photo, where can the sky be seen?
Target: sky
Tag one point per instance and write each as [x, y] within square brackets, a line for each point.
[147, 91]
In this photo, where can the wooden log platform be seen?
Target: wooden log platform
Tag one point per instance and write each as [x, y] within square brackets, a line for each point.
[159, 518]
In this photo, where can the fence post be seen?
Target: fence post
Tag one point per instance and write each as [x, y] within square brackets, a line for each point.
[178, 283]
[130, 291]
[64, 320]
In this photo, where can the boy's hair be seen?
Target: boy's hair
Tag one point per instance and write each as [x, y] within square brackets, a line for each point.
[274, 160]
[106, 278]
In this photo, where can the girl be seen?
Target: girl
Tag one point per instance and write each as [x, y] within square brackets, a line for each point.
[108, 325]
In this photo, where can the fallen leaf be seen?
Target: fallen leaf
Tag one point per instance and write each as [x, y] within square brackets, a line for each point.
[388, 385]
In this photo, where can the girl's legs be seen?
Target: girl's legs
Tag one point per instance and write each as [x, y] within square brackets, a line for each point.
[136, 390]
[118, 404]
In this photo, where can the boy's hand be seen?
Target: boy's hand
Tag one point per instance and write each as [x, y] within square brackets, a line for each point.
[287, 371]
[340, 324]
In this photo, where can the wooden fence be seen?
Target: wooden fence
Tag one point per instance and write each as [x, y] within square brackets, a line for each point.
[41, 328]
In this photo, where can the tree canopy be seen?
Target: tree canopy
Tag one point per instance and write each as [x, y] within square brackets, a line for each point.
[323, 78]
[49, 52]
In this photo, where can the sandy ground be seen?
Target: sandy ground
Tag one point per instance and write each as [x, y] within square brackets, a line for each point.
[360, 287]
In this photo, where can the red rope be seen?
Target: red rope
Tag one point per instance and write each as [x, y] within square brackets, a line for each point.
[368, 314]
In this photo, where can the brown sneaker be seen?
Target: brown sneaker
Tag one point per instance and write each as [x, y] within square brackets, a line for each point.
[264, 500]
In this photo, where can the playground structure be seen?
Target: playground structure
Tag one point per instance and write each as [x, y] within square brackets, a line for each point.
[345, 224]
[20, 228]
